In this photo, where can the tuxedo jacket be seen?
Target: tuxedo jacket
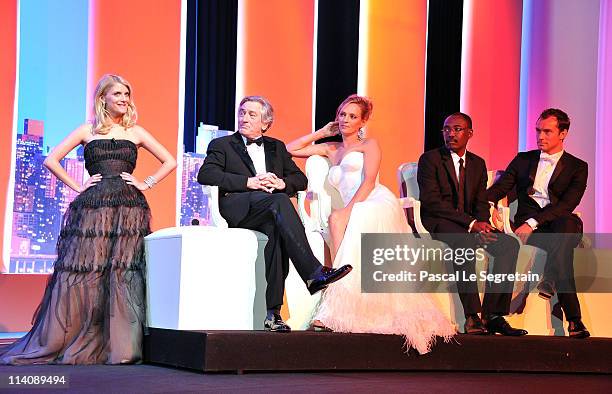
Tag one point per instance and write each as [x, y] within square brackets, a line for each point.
[565, 189]
[438, 188]
[228, 165]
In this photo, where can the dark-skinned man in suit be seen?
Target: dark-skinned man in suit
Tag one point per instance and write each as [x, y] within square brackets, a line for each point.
[452, 187]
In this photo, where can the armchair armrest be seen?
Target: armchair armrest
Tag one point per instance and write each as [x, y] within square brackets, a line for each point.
[213, 203]
[585, 242]
[507, 226]
[309, 224]
[411, 202]
[506, 220]
[320, 207]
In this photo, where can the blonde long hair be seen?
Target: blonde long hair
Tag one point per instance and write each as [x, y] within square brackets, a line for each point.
[102, 121]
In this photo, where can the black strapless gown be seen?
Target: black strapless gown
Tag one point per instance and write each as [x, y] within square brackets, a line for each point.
[93, 309]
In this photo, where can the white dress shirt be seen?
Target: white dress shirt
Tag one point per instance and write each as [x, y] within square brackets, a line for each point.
[546, 167]
[456, 158]
[258, 155]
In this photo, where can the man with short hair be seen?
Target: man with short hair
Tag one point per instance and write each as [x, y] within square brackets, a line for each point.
[452, 185]
[549, 184]
[256, 176]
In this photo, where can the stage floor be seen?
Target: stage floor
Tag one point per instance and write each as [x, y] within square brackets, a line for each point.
[243, 351]
[155, 379]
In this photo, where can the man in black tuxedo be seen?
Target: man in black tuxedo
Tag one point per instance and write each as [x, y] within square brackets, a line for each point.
[256, 176]
[549, 184]
[452, 186]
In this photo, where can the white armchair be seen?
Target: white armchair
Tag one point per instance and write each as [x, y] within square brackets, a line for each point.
[409, 193]
[322, 198]
[197, 279]
[213, 204]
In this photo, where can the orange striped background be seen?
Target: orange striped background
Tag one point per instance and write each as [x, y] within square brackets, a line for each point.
[396, 81]
[277, 48]
[141, 42]
[8, 48]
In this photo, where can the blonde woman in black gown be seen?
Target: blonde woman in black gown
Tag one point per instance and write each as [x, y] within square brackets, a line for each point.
[93, 309]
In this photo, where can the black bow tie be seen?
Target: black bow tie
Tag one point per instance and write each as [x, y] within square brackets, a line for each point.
[258, 141]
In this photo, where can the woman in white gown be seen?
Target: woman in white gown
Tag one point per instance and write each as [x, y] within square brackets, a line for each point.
[369, 207]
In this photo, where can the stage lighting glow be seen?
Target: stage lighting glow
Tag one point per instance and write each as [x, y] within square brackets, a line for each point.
[180, 144]
[10, 197]
[240, 48]
[525, 60]
[364, 32]
[315, 38]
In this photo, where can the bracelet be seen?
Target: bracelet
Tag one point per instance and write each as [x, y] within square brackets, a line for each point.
[150, 181]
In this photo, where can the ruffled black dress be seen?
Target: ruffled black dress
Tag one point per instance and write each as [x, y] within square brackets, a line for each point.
[93, 309]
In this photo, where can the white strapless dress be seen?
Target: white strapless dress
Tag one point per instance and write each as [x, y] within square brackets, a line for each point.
[343, 307]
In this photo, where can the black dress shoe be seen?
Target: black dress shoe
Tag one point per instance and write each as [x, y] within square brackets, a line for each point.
[577, 330]
[546, 289]
[473, 326]
[327, 276]
[274, 322]
[497, 324]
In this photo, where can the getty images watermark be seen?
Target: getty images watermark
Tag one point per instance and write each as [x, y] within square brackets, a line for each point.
[410, 263]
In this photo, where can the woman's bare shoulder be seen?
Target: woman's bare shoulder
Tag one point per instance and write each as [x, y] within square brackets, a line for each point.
[83, 132]
[370, 145]
[86, 127]
[370, 142]
[139, 134]
[138, 129]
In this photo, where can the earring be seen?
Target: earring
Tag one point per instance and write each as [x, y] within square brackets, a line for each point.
[361, 134]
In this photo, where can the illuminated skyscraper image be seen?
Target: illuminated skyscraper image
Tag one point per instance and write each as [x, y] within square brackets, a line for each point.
[40, 200]
[194, 202]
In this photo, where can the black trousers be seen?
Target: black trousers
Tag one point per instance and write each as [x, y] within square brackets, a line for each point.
[559, 238]
[504, 250]
[275, 216]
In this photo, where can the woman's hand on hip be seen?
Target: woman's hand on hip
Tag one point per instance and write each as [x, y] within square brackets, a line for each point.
[131, 180]
[92, 181]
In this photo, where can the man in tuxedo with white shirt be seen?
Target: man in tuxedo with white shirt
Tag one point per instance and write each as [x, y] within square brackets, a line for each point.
[256, 177]
[549, 184]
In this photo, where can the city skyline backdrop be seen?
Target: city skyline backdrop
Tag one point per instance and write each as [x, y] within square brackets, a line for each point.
[40, 199]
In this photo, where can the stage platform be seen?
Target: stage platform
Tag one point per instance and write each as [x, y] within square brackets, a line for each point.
[259, 351]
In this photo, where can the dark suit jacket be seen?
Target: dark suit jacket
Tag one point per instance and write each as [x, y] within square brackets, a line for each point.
[438, 187]
[565, 189]
[228, 165]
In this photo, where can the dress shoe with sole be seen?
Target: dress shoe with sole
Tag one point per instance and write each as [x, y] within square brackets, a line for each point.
[497, 324]
[274, 322]
[327, 276]
[546, 289]
[576, 329]
[473, 326]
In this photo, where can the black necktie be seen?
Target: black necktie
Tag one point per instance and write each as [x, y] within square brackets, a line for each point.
[257, 141]
[461, 191]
